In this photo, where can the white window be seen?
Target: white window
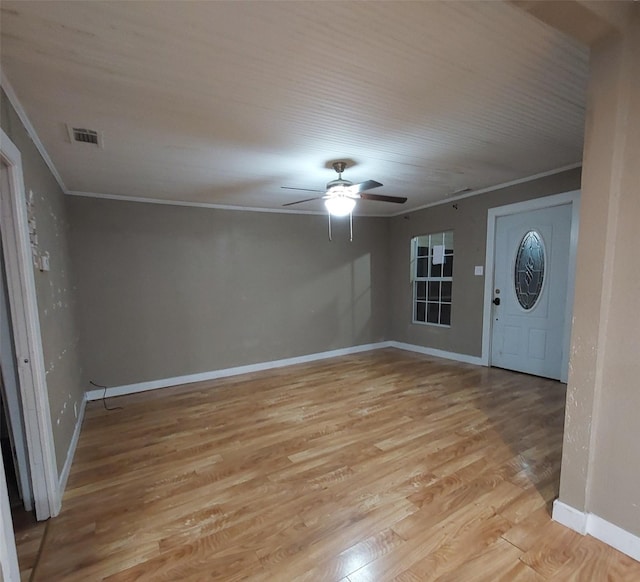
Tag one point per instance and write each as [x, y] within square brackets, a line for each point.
[432, 277]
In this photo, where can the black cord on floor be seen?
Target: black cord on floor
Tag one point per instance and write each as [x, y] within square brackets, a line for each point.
[104, 396]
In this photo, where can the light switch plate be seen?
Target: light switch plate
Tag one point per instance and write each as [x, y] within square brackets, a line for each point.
[478, 271]
[44, 262]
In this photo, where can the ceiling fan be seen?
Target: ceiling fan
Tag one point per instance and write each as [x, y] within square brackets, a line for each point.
[340, 195]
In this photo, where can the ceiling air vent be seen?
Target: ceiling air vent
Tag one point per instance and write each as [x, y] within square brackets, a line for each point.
[83, 135]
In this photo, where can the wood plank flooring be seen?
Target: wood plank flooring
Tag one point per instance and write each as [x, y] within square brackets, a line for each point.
[28, 534]
[381, 466]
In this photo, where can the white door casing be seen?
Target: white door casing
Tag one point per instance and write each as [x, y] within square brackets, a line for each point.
[527, 333]
[28, 341]
[9, 569]
[11, 395]
[511, 342]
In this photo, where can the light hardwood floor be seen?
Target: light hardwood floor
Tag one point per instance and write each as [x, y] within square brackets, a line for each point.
[380, 466]
[29, 534]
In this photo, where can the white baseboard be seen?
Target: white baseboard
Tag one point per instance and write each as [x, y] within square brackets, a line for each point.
[570, 517]
[227, 372]
[437, 353]
[615, 536]
[64, 474]
[601, 529]
[236, 371]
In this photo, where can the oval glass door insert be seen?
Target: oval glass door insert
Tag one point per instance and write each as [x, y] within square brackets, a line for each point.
[529, 270]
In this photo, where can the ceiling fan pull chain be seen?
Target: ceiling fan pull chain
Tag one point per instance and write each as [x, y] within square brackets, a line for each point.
[329, 215]
[351, 226]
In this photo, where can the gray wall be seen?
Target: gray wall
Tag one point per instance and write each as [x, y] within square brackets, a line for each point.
[54, 289]
[469, 224]
[167, 290]
[600, 455]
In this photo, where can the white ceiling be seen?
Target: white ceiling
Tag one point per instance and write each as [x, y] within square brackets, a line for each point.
[224, 102]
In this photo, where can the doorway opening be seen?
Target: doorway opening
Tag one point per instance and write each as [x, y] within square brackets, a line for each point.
[8, 459]
[31, 405]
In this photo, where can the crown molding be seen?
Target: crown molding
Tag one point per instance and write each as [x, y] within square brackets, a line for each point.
[24, 118]
[17, 105]
[492, 188]
[144, 200]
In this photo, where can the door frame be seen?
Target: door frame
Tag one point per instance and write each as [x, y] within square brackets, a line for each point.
[9, 568]
[573, 198]
[10, 394]
[27, 336]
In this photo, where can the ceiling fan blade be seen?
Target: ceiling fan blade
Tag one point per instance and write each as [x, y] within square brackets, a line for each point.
[368, 185]
[301, 201]
[383, 198]
[304, 189]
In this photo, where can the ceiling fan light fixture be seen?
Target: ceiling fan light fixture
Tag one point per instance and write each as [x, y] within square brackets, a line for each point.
[340, 205]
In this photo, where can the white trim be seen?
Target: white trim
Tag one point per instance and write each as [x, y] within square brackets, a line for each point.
[533, 204]
[601, 529]
[227, 372]
[571, 287]
[125, 389]
[22, 114]
[168, 202]
[17, 105]
[71, 451]
[615, 536]
[192, 204]
[13, 402]
[320, 212]
[28, 343]
[569, 517]
[492, 188]
[465, 358]
[9, 568]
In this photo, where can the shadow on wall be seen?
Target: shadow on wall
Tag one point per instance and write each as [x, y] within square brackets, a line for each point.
[170, 291]
[361, 300]
[344, 311]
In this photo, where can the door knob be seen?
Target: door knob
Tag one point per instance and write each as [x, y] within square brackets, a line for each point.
[496, 301]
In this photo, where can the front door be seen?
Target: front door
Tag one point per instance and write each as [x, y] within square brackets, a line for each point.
[530, 290]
